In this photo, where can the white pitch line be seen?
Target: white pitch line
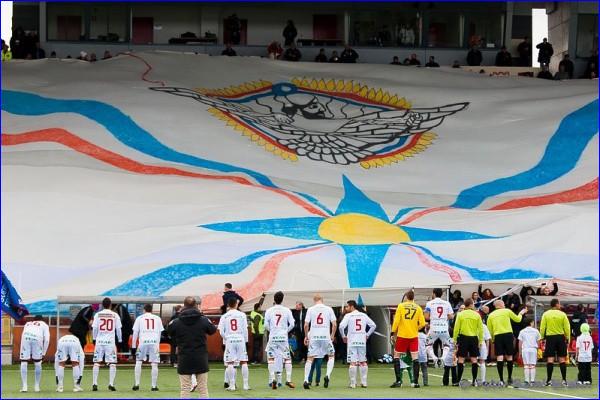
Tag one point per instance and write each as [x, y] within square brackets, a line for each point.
[536, 391]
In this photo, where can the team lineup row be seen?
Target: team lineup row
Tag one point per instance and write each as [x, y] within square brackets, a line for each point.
[413, 343]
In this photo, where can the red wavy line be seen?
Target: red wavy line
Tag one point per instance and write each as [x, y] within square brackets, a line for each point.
[66, 138]
[148, 69]
[420, 214]
[589, 191]
[262, 282]
[452, 273]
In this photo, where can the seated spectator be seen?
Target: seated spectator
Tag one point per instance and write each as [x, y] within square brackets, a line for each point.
[39, 52]
[274, 50]
[476, 299]
[568, 64]
[474, 56]
[321, 57]
[413, 60]
[53, 54]
[395, 61]
[456, 300]
[528, 290]
[106, 55]
[513, 302]
[455, 64]
[228, 51]
[486, 295]
[544, 289]
[561, 74]
[348, 55]
[83, 56]
[68, 56]
[545, 73]
[503, 58]
[334, 57]
[292, 53]
[432, 63]
[590, 72]
[92, 58]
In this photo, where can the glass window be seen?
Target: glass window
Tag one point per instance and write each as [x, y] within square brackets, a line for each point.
[65, 21]
[483, 28]
[109, 22]
[587, 34]
[385, 28]
[444, 29]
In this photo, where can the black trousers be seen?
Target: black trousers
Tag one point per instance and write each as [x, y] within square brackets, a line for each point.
[257, 348]
[584, 371]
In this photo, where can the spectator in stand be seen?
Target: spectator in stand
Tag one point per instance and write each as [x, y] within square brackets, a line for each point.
[513, 302]
[83, 56]
[395, 61]
[53, 54]
[455, 64]
[503, 58]
[274, 50]
[476, 299]
[6, 53]
[456, 300]
[544, 289]
[106, 55]
[292, 53]
[289, 33]
[545, 52]
[412, 60]
[568, 64]
[334, 57]
[228, 51]
[39, 52]
[228, 293]
[432, 63]
[348, 56]
[592, 64]
[591, 71]
[486, 296]
[17, 43]
[321, 57]
[93, 58]
[545, 73]
[524, 50]
[579, 317]
[474, 57]
[528, 290]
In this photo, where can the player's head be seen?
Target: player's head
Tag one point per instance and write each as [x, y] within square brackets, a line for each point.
[278, 297]
[106, 303]
[410, 295]
[148, 307]
[528, 321]
[318, 298]
[351, 305]
[38, 318]
[554, 303]
[584, 328]
[189, 302]
[228, 286]
[437, 292]
[232, 303]
[469, 303]
[499, 304]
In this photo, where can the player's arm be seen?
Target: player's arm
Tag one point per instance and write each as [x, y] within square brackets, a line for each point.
[397, 317]
[480, 331]
[457, 326]
[567, 328]
[370, 324]
[450, 312]
[333, 325]
[94, 329]
[245, 330]
[307, 319]
[46, 338]
[343, 326]
[290, 321]
[517, 317]
[136, 332]
[221, 326]
[118, 329]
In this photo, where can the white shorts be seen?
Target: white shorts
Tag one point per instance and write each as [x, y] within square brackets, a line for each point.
[422, 355]
[356, 354]
[67, 351]
[483, 352]
[32, 350]
[278, 350]
[529, 356]
[148, 352]
[444, 337]
[105, 353]
[320, 348]
[235, 351]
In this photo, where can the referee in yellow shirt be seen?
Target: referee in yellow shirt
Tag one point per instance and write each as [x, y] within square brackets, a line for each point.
[555, 328]
[468, 335]
[408, 320]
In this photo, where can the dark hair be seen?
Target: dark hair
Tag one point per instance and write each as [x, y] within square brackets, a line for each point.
[437, 292]
[468, 302]
[148, 307]
[580, 307]
[527, 321]
[457, 293]
[106, 302]
[256, 306]
[189, 302]
[38, 318]
[228, 285]
[554, 303]
[352, 303]
[278, 297]
[410, 295]
[232, 302]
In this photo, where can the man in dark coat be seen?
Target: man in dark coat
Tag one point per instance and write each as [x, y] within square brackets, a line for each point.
[568, 64]
[188, 332]
[474, 57]
[348, 55]
[503, 58]
[127, 326]
[299, 314]
[289, 33]
[546, 52]
[81, 323]
[228, 292]
[524, 50]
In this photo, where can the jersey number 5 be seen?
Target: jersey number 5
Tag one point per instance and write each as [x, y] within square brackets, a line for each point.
[410, 313]
[106, 325]
[358, 325]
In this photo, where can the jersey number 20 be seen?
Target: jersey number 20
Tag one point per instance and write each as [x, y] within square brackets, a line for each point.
[106, 324]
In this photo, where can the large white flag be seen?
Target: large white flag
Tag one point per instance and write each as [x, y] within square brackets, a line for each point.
[170, 174]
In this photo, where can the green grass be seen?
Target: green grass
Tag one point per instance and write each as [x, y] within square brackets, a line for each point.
[380, 377]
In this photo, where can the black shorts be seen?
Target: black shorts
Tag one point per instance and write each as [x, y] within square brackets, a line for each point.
[556, 346]
[468, 346]
[504, 344]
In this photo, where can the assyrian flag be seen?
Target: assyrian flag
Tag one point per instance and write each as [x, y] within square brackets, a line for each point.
[170, 174]
[11, 301]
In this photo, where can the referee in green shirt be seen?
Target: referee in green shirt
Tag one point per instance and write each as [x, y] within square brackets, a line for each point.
[468, 335]
[500, 328]
[555, 328]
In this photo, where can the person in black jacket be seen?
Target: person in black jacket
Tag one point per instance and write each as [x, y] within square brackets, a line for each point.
[321, 57]
[81, 323]
[579, 317]
[524, 50]
[503, 58]
[289, 33]
[545, 52]
[292, 53]
[568, 65]
[188, 332]
[544, 289]
[127, 326]
[348, 55]
[173, 355]
[299, 314]
[228, 292]
[474, 56]
[228, 51]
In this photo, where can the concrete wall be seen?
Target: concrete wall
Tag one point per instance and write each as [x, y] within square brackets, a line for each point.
[171, 22]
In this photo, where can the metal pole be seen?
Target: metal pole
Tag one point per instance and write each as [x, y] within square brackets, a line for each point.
[57, 322]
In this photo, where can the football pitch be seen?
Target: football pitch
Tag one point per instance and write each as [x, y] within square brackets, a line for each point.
[380, 377]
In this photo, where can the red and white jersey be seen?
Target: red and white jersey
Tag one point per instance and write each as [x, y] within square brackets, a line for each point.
[37, 331]
[234, 326]
[147, 328]
[584, 345]
[529, 338]
[106, 324]
[279, 321]
[438, 310]
[359, 326]
[320, 318]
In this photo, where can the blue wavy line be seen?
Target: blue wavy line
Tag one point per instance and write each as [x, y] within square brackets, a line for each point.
[561, 155]
[304, 228]
[432, 235]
